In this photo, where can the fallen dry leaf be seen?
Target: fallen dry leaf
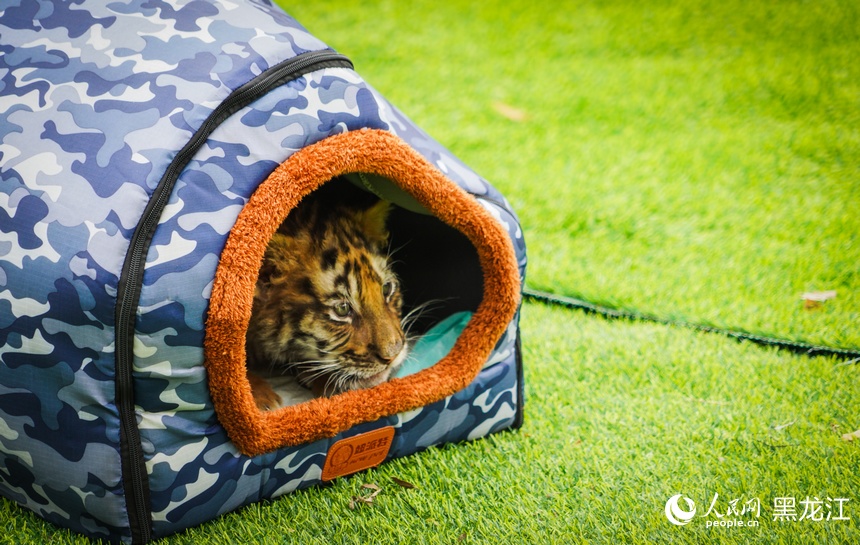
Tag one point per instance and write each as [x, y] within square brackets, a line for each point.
[355, 501]
[402, 483]
[851, 436]
[819, 296]
[358, 500]
[508, 111]
[814, 299]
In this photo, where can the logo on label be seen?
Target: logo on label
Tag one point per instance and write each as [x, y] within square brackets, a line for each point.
[353, 454]
[677, 515]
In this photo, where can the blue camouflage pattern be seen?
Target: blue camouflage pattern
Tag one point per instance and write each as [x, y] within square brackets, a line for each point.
[96, 99]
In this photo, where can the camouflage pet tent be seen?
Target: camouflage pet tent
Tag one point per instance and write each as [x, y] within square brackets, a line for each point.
[148, 151]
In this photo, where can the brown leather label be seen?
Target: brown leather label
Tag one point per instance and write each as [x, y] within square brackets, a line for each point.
[358, 452]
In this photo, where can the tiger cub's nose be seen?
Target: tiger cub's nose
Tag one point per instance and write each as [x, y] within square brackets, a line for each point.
[389, 351]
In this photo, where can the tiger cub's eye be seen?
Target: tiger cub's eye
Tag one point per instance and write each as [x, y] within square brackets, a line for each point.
[388, 289]
[342, 309]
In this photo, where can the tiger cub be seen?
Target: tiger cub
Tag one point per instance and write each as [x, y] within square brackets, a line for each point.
[327, 306]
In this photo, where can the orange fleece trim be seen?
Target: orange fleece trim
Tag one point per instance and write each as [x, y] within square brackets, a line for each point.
[372, 151]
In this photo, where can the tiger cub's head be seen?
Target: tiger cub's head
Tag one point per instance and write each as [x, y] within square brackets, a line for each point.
[327, 305]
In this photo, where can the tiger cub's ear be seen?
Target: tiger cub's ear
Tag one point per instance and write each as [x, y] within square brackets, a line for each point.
[275, 263]
[373, 220]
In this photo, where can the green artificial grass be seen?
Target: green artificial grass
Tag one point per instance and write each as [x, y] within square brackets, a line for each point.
[693, 160]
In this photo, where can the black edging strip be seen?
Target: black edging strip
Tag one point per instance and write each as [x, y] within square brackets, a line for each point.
[519, 417]
[135, 477]
[798, 347]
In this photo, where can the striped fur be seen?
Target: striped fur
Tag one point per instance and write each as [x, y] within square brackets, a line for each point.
[327, 306]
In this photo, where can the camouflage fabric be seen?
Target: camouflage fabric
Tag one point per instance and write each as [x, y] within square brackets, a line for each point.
[96, 100]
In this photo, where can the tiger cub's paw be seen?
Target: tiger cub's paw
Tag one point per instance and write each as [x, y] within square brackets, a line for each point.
[264, 396]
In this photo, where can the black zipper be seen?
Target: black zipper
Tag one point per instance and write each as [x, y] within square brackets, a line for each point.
[135, 478]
